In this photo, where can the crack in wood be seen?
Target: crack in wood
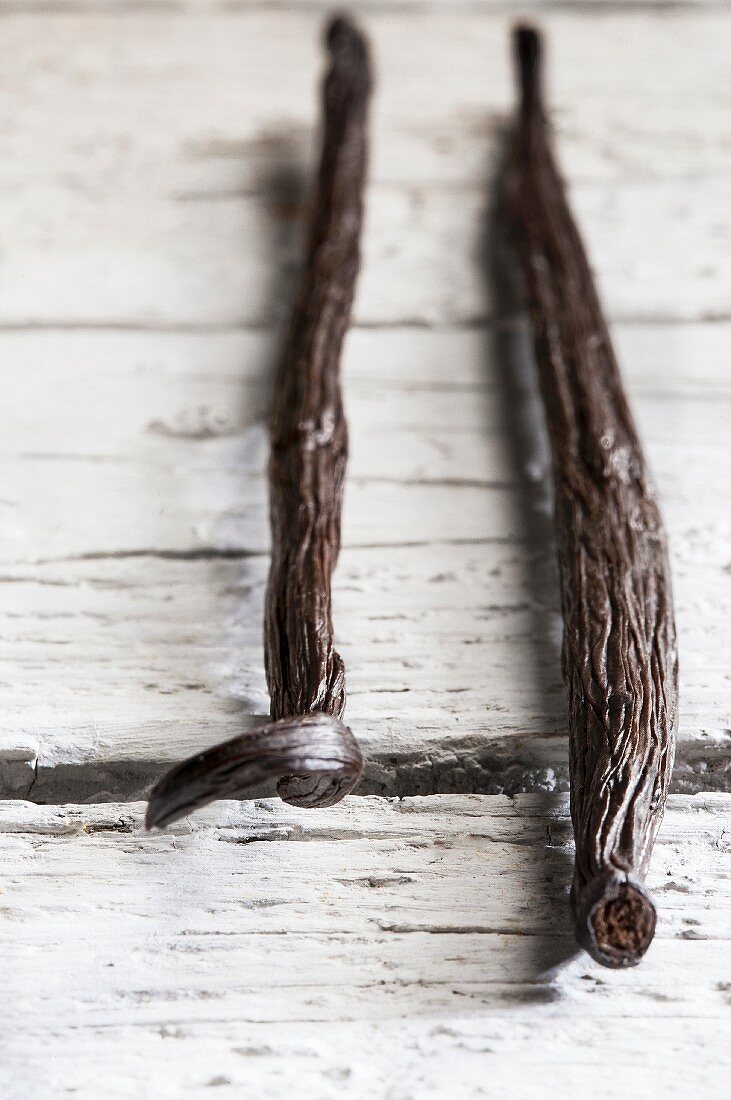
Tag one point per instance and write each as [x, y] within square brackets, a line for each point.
[505, 766]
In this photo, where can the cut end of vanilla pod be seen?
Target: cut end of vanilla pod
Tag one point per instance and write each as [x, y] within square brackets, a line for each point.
[615, 920]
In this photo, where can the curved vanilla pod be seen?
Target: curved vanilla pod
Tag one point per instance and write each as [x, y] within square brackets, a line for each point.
[619, 648]
[307, 747]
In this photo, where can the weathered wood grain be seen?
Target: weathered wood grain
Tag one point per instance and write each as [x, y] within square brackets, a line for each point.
[384, 947]
[135, 552]
[140, 261]
[151, 167]
[151, 199]
[185, 92]
[177, 459]
[151, 181]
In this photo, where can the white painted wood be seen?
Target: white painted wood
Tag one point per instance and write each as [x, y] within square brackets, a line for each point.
[185, 94]
[151, 157]
[138, 260]
[413, 948]
[128, 442]
[153, 161]
[134, 462]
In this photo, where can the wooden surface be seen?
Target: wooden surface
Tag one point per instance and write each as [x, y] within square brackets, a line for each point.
[154, 166]
[382, 948]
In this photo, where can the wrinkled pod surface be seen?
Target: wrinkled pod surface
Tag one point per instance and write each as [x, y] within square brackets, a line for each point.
[306, 746]
[619, 648]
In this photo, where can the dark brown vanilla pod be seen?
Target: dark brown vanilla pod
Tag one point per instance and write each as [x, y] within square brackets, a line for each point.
[317, 752]
[315, 756]
[619, 648]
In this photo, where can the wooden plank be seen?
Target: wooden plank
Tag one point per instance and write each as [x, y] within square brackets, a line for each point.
[140, 262]
[151, 167]
[150, 179]
[388, 947]
[153, 164]
[155, 442]
[135, 554]
[72, 7]
[629, 87]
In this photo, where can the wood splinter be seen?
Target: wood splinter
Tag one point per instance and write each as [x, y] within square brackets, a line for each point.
[619, 648]
[306, 746]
